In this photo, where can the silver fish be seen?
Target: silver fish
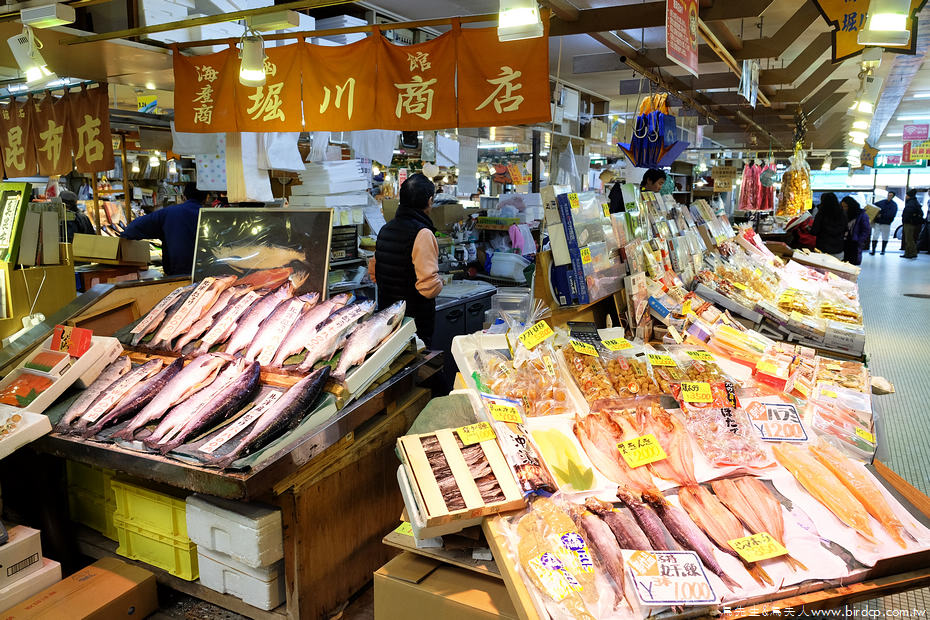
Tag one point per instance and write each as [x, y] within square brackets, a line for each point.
[156, 316]
[307, 324]
[199, 373]
[247, 257]
[137, 398]
[248, 325]
[196, 306]
[226, 322]
[602, 540]
[625, 530]
[274, 329]
[200, 327]
[113, 394]
[111, 373]
[331, 334]
[367, 336]
[235, 386]
[648, 520]
[285, 414]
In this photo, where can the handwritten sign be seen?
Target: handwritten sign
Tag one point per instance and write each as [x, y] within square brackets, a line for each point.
[532, 336]
[291, 314]
[239, 425]
[776, 421]
[503, 412]
[549, 366]
[661, 359]
[757, 547]
[617, 344]
[475, 433]
[585, 255]
[669, 578]
[584, 348]
[573, 201]
[696, 392]
[156, 311]
[641, 450]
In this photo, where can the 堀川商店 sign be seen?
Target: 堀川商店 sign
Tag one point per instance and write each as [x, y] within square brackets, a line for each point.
[848, 17]
[463, 78]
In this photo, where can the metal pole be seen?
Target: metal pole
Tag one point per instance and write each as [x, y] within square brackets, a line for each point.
[537, 172]
[126, 189]
[96, 218]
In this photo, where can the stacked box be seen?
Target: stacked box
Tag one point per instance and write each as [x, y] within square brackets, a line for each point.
[90, 497]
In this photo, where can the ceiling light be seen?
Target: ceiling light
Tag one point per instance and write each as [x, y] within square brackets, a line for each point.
[150, 85]
[914, 117]
[47, 16]
[860, 124]
[519, 19]
[857, 137]
[375, 170]
[864, 107]
[25, 49]
[135, 165]
[895, 134]
[252, 60]
[154, 162]
[172, 167]
[887, 23]
[920, 96]
[827, 162]
[891, 146]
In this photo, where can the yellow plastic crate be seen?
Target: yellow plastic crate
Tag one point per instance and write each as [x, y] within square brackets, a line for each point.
[177, 555]
[93, 480]
[153, 511]
[92, 511]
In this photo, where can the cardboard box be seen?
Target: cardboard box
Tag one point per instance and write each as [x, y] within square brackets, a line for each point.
[437, 590]
[21, 556]
[109, 588]
[111, 250]
[47, 575]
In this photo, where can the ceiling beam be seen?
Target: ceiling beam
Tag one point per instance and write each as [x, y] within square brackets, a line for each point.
[822, 102]
[813, 82]
[562, 9]
[774, 46]
[804, 61]
[725, 55]
[725, 35]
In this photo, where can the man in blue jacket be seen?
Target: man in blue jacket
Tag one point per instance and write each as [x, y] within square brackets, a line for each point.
[176, 227]
[882, 224]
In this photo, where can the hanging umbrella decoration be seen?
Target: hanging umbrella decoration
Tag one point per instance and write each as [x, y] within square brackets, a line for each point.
[655, 141]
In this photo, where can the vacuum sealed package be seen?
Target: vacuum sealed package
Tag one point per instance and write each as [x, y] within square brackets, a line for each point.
[588, 374]
[517, 445]
[629, 373]
[535, 384]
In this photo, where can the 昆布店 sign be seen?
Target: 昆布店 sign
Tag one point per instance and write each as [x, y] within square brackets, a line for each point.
[849, 17]
[463, 78]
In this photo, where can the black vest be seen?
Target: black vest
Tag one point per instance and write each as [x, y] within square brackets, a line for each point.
[394, 271]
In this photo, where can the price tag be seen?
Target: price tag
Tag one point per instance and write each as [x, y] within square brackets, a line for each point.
[796, 316]
[833, 366]
[740, 286]
[675, 334]
[802, 389]
[404, 528]
[606, 208]
[661, 359]
[864, 434]
[757, 547]
[617, 344]
[573, 201]
[686, 307]
[505, 413]
[536, 334]
[669, 578]
[696, 392]
[475, 433]
[829, 393]
[584, 348]
[550, 367]
[776, 422]
[585, 255]
[701, 356]
[641, 450]
[768, 368]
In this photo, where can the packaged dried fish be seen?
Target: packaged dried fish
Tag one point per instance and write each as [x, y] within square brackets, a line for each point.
[629, 375]
[518, 447]
[588, 374]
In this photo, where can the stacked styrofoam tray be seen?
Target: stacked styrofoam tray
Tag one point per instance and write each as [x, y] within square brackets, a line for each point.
[341, 21]
[240, 547]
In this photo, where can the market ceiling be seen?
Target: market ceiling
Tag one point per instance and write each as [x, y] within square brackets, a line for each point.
[590, 40]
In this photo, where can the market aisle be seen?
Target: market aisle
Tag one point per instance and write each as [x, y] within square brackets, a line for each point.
[895, 296]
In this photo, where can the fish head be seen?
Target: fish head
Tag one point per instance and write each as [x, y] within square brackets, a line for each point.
[341, 299]
[310, 298]
[396, 312]
[367, 306]
[298, 278]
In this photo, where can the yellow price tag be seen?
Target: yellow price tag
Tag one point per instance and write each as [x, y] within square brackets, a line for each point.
[686, 307]
[802, 389]
[550, 367]
[585, 255]
[675, 334]
[829, 393]
[740, 286]
[505, 413]
[641, 450]
[404, 528]
[833, 367]
[768, 368]
[869, 437]
[584, 348]
[696, 392]
[661, 359]
[606, 208]
[532, 336]
[701, 356]
[796, 316]
[757, 547]
[475, 433]
[617, 344]
[573, 201]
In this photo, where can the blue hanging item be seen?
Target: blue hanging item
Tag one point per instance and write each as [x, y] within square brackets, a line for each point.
[655, 133]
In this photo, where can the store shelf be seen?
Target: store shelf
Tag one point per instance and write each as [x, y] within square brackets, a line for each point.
[346, 262]
[96, 546]
[342, 288]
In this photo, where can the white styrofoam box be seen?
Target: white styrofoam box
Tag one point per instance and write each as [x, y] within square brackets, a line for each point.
[154, 12]
[48, 575]
[339, 21]
[21, 555]
[259, 587]
[251, 534]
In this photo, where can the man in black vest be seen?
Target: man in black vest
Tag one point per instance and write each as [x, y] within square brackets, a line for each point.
[407, 257]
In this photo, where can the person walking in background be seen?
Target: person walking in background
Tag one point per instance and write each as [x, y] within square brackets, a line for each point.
[830, 226]
[77, 222]
[858, 230]
[882, 225]
[912, 218]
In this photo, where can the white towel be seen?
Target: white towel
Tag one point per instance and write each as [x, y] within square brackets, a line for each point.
[318, 148]
[374, 144]
[246, 183]
[184, 143]
[211, 168]
[279, 152]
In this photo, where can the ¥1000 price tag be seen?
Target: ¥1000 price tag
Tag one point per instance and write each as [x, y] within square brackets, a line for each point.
[641, 450]
[475, 433]
[699, 392]
[757, 547]
[669, 578]
[532, 336]
[617, 344]
[584, 348]
[776, 421]
[661, 359]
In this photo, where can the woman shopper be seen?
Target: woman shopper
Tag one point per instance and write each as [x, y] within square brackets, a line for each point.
[830, 226]
[858, 230]
[912, 218]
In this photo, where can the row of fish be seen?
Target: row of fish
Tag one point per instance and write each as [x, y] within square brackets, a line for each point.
[260, 317]
[184, 400]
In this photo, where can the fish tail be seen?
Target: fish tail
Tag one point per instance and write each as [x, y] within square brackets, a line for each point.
[728, 581]
[222, 462]
[795, 563]
[758, 573]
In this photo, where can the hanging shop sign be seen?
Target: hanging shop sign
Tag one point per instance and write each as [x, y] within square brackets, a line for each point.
[53, 144]
[749, 81]
[848, 17]
[370, 84]
[867, 157]
[918, 150]
[916, 132]
[681, 34]
[90, 130]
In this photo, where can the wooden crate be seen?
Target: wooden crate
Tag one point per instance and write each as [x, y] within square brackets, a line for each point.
[429, 498]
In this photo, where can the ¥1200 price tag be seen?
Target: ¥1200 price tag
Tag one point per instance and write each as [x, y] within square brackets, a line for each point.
[776, 421]
[757, 547]
[701, 356]
[617, 344]
[532, 336]
[669, 578]
[585, 255]
[475, 433]
[864, 434]
[404, 528]
[661, 359]
[584, 348]
[696, 392]
[641, 450]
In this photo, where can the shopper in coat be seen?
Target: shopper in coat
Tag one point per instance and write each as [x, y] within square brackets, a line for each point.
[77, 222]
[912, 218]
[859, 229]
[830, 226]
[881, 227]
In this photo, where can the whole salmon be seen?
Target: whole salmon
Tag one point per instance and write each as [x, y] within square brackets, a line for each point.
[113, 394]
[248, 325]
[200, 327]
[367, 336]
[332, 333]
[305, 327]
[156, 316]
[195, 306]
[111, 373]
[274, 329]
